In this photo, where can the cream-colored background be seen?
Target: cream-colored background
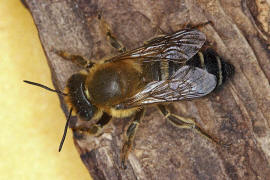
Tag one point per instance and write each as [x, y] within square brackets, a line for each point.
[32, 122]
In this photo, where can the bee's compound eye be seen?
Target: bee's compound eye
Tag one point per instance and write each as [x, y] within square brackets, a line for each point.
[78, 98]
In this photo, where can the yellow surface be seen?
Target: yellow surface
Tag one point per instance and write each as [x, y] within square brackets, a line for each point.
[31, 119]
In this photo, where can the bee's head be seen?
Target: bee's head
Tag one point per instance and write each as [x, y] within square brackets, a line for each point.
[78, 98]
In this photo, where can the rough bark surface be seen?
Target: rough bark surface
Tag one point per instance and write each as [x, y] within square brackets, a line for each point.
[238, 114]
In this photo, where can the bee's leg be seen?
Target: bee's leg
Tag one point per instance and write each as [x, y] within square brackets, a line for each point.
[111, 37]
[197, 26]
[76, 59]
[95, 129]
[182, 122]
[129, 137]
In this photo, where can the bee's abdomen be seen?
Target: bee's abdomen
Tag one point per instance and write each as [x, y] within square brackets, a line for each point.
[152, 71]
[214, 64]
[208, 60]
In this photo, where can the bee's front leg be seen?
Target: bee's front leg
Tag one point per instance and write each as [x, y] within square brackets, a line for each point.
[95, 129]
[129, 137]
[76, 59]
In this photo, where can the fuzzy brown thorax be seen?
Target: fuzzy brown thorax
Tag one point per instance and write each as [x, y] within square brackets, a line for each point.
[109, 84]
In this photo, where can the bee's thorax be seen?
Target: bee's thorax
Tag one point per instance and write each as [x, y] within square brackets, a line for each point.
[111, 83]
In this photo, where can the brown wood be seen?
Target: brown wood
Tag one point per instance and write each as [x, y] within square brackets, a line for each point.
[238, 114]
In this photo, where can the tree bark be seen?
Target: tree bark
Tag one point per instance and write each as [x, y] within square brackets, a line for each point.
[238, 114]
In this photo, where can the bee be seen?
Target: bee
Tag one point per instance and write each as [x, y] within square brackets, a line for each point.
[164, 70]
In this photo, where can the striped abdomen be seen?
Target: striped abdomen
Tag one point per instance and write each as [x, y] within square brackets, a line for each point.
[214, 64]
[208, 59]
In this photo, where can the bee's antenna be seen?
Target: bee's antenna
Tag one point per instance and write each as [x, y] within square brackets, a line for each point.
[45, 87]
[65, 131]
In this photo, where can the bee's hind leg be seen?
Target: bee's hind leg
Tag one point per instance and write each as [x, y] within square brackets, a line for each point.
[111, 37]
[185, 123]
[76, 59]
[129, 137]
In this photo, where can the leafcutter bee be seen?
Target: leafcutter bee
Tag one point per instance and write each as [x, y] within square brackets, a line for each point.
[165, 69]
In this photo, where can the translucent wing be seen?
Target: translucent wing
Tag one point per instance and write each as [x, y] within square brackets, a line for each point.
[178, 47]
[188, 82]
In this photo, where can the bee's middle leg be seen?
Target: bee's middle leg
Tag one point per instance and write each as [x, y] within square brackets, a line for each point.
[129, 137]
[111, 37]
[186, 123]
[198, 26]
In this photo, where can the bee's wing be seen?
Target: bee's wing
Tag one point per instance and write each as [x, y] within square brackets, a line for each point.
[188, 82]
[178, 47]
